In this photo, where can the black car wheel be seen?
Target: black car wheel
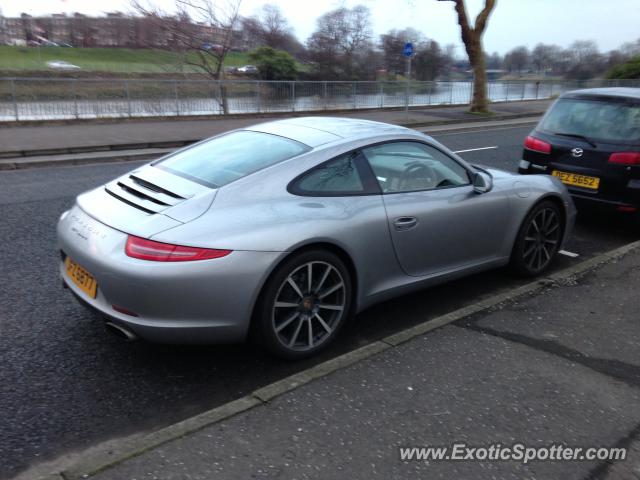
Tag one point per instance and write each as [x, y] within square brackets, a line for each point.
[304, 304]
[538, 240]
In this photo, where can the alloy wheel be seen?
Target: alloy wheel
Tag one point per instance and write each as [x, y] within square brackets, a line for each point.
[541, 239]
[309, 305]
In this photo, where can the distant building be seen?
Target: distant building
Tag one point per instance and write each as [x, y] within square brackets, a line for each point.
[113, 30]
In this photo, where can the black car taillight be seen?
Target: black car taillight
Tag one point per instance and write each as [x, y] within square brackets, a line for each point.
[537, 145]
[625, 158]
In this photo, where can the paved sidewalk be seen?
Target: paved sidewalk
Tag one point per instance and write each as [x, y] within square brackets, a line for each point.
[128, 132]
[558, 366]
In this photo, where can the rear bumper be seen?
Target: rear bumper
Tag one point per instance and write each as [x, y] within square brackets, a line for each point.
[209, 301]
[604, 203]
[619, 194]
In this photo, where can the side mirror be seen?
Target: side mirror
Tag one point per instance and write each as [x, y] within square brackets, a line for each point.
[482, 182]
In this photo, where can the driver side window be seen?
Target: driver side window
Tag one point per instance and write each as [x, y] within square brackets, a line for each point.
[414, 166]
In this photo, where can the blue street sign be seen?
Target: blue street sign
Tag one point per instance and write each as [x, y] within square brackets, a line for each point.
[408, 49]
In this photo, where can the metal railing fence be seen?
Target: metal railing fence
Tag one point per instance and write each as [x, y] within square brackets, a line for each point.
[62, 98]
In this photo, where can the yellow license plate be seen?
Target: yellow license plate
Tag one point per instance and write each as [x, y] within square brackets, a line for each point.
[83, 279]
[576, 180]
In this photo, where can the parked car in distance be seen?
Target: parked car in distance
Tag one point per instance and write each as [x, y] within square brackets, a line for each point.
[248, 69]
[590, 139]
[212, 46]
[287, 228]
[62, 65]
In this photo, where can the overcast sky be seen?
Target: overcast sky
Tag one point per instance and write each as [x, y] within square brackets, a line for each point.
[513, 22]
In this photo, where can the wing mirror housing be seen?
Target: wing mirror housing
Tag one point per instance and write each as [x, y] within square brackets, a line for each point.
[482, 182]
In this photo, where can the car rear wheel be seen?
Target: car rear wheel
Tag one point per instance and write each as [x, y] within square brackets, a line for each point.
[538, 240]
[304, 304]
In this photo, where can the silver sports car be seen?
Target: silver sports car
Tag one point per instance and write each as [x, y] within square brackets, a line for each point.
[288, 228]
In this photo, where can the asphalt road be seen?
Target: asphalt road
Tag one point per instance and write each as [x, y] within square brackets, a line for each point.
[66, 383]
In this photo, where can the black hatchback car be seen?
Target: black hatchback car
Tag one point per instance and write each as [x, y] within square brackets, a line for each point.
[590, 139]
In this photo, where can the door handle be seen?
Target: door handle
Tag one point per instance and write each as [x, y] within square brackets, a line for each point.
[405, 223]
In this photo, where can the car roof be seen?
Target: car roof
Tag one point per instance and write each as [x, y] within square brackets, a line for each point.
[316, 131]
[618, 93]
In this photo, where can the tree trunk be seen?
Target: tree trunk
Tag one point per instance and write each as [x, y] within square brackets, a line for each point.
[479, 102]
[223, 99]
[472, 39]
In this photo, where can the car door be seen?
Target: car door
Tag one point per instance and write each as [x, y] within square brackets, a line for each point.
[436, 219]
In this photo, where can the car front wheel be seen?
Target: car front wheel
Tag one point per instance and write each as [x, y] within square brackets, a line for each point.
[538, 240]
[304, 304]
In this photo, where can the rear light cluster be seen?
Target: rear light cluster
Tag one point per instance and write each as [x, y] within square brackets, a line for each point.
[625, 158]
[165, 252]
[537, 145]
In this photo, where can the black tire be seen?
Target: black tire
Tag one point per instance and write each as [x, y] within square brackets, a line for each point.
[274, 326]
[538, 240]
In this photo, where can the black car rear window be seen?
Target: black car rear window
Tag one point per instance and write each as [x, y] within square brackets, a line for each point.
[613, 121]
[226, 158]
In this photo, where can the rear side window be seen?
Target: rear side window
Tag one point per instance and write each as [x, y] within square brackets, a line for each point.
[340, 176]
[229, 157]
[595, 119]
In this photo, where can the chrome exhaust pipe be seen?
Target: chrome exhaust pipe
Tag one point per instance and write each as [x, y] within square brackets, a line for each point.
[120, 331]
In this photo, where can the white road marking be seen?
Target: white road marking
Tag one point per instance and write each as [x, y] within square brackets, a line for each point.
[568, 254]
[476, 149]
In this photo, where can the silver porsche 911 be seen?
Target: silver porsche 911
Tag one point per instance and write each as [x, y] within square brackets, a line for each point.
[287, 228]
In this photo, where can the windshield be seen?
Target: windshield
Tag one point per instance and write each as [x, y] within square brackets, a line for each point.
[596, 120]
[226, 158]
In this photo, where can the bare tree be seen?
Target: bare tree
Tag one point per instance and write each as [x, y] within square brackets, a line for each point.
[429, 60]
[275, 25]
[494, 61]
[631, 49]
[202, 30]
[341, 45]
[541, 57]
[251, 32]
[472, 39]
[547, 58]
[270, 28]
[392, 44]
[585, 61]
[517, 59]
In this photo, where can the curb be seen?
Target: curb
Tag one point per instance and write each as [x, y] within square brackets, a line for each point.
[496, 118]
[93, 149]
[22, 163]
[23, 159]
[112, 452]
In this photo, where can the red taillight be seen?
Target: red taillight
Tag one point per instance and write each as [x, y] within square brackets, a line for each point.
[165, 252]
[625, 158]
[624, 208]
[537, 145]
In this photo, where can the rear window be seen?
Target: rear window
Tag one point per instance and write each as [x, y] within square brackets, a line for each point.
[597, 120]
[229, 157]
